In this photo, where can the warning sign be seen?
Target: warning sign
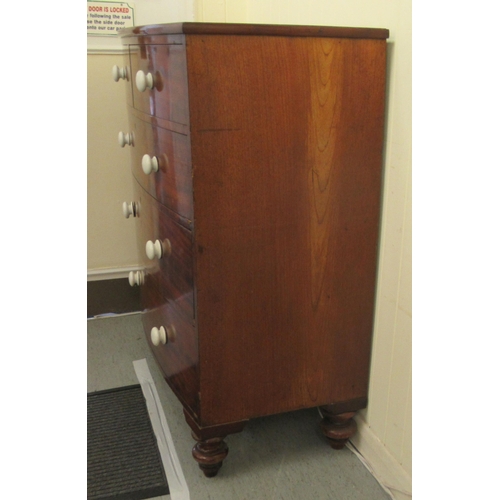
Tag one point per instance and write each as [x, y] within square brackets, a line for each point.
[106, 18]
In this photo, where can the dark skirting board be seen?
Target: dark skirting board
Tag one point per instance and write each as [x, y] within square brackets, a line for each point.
[123, 460]
[114, 296]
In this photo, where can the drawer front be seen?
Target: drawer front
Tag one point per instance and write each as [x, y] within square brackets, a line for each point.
[178, 358]
[168, 98]
[169, 278]
[171, 185]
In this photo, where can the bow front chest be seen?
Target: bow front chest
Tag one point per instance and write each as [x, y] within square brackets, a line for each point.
[257, 159]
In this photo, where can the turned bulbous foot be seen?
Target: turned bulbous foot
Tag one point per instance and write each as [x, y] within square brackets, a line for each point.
[209, 454]
[210, 449]
[339, 428]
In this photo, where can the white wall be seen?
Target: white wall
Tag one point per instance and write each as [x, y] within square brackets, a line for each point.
[111, 241]
[146, 12]
[385, 427]
[111, 245]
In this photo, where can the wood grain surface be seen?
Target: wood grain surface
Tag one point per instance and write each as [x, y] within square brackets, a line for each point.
[156, 30]
[178, 359]
[169, 97]
[171, 277]
[273, 138]
[172, 184]
[286, 159]
[167, 297]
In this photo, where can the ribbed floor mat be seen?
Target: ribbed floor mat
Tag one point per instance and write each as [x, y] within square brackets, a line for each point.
[123, 460]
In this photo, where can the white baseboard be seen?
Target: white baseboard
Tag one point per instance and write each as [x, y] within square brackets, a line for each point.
[175, 477]
[106, 51]
[377, 458]
[110, 273]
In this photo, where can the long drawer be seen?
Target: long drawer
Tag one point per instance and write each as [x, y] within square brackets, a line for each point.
[171, 184]
[178, 357]
[170, 277]
[166, 65]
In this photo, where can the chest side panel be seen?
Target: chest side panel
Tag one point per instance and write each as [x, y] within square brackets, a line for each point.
[286, 138]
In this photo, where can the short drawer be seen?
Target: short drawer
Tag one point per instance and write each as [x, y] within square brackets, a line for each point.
[171, 184]
[168, 276]
[159, 81]
[178, 356]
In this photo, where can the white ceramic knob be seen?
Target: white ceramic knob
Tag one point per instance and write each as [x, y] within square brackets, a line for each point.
[158, 335]
[144, 81]
[158, 249]
[129, 209]
[162, 335]
[149, 164]
[125, 139]
[119, 73]
[154, 249]
[136, 278]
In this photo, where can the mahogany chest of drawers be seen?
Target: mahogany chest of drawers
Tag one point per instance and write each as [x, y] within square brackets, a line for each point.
[257, 158]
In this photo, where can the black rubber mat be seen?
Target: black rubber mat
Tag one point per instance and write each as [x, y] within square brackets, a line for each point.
[123, 460]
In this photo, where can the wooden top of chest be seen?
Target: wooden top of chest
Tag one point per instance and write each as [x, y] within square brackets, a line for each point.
[255, 29]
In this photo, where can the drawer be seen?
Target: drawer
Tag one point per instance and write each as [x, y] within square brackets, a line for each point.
[166, 65]
[178, 358]
[170, 277]
[171, 185]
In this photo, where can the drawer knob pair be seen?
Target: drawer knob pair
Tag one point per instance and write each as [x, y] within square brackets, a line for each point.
[136, 278]
[144, 81]
[119, 73]
[149, 164]
[125, 139]
[163, 335]
[158, 249]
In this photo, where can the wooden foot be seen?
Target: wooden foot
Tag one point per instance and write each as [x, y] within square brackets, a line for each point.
[337, 428]
[209, 454]
[210, 449]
